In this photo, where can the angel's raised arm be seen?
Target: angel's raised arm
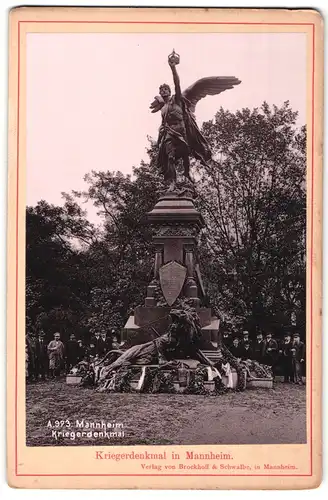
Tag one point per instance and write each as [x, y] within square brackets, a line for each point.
[176, 80]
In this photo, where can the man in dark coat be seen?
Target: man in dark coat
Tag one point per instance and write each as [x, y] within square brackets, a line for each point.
[107, 346]
[31, 352]
[286, 358]
[270, 352]
[258, 348]
[298, 358]
[245, 339]
[227, 340]
[41, 358]
[97, 345]
[81, 351]
[236, 349]
[72, 348]
[247, 351]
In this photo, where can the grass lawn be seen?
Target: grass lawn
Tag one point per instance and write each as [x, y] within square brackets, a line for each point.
[262, 416]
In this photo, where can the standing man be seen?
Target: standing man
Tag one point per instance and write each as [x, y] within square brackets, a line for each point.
[115, 334]
[31, 356]
[286, 356]
[107, 343]
[236, 349]
[115, 343]
[41, 356]
[56, 352]
[226, 340]
[270, 352]
[259, 347]
[81, 351]
[97, 345]
[245, 339]
[71, 352]
[246, 351]
[298, 358]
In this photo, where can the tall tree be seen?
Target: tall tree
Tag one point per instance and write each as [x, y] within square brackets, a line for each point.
[253, 199]
[56, 285]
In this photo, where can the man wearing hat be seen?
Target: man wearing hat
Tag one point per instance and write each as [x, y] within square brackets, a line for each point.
[270, 352]
[236, 349]
[72, 348]
[247, 351]
[41, 356]
[31, 355]
[56, 353]
[226, 340]
[81, 350]
[245, 339]
[298, 358]
[258, 348]
[107, 342]
[97, 345]
[286, 357]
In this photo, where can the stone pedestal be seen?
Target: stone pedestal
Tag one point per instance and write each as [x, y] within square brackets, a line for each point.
[176, 225]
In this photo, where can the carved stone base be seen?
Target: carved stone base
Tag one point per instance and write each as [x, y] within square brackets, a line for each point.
[176, 225]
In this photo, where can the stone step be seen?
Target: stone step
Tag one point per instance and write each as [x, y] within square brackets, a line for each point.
[212, 353]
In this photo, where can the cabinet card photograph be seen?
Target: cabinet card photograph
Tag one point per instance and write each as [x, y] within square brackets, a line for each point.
[164, 248]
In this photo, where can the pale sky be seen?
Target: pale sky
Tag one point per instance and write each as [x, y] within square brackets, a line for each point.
[88, 95]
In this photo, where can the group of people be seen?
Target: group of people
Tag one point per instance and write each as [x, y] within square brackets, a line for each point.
[51, 359]
[289, 353]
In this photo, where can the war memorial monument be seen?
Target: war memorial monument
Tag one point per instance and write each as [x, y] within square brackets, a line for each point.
[171, 343]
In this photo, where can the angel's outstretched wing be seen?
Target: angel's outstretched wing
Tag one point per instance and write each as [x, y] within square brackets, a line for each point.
[210, 85]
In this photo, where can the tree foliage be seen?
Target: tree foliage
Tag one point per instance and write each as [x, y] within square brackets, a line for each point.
[254, 203]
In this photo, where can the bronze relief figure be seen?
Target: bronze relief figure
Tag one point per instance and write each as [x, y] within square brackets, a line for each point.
[179, 135]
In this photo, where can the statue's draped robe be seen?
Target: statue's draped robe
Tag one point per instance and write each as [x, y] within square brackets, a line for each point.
[181, 139]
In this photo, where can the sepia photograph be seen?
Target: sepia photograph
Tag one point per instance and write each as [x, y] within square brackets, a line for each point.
[164, 248]
[165, 238]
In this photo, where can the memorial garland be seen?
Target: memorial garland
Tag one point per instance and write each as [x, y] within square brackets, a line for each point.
[161, 379]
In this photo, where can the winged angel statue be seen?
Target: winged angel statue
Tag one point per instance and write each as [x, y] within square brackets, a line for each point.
[179, 135]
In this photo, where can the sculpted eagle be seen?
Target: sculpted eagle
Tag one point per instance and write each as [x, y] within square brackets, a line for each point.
[179, 136]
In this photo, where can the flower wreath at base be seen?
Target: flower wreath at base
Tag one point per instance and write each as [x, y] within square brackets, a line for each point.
[197, 381]
[120, 381]
[161, 379]
[158, 381]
